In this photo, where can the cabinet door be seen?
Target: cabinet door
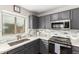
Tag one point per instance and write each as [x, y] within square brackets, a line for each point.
[75, 19]
[16, 50]
[54, 17]
[65, 15]
[32, 47]
[42, 22]
[35, 22]
[29, 50]
[48, 24]
[75, 50]
[20, 52]
[43, 46]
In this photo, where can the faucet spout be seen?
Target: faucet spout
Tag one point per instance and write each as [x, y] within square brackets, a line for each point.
[18, 37]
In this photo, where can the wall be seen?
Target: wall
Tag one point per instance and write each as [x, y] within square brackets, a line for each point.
[60, 9]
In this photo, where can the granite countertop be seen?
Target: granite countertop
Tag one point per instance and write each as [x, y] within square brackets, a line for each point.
[5, 47]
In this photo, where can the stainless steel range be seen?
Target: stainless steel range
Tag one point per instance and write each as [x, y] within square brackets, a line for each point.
[60, 44]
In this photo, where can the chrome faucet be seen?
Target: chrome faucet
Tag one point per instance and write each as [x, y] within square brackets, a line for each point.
[18, 37]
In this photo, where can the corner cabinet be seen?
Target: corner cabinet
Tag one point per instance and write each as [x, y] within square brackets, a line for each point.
[32, 47]
[44, 46]
[33, 22]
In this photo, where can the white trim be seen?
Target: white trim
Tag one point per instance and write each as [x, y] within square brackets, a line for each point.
[13, 13]
[60, 9]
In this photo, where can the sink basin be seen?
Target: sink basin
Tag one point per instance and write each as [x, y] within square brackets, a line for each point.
[17, 42]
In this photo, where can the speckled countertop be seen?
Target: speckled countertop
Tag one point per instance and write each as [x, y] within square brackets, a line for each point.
[74, 40]
[5, 47]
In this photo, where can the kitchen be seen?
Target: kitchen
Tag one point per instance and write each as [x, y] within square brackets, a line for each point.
[49, 29]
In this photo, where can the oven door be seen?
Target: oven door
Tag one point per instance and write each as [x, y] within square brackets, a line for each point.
[64, 49]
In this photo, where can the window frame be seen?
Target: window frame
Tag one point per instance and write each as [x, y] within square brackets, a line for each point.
[15, 16]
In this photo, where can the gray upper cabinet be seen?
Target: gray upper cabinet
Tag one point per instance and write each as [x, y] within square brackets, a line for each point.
[33, 22]
[42, 22]
[54, 17]
[30, 22]
[65, 15]
[75, 18]
[47, 24]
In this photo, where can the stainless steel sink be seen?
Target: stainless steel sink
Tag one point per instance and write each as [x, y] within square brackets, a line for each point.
[17, 42]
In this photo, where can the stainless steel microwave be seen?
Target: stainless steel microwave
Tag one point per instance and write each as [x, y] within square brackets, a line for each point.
[61, 24]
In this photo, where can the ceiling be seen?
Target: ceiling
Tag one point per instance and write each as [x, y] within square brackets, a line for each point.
[40, 8]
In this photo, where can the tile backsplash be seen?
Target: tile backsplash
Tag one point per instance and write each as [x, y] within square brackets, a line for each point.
[41, 32]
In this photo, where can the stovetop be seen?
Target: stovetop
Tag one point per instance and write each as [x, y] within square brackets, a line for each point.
[61, 40]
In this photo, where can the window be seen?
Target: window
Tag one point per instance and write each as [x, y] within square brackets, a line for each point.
[20, 25]
[12, 24]
[8, 24]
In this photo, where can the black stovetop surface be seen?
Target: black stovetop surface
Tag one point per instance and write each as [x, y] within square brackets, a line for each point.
[61, 40]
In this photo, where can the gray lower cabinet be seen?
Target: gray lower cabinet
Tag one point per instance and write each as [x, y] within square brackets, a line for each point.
[20, 52]
[17, 50]
[29, 48]
[75, 18]
[43, 46]
[75, 50]
[32, 47]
